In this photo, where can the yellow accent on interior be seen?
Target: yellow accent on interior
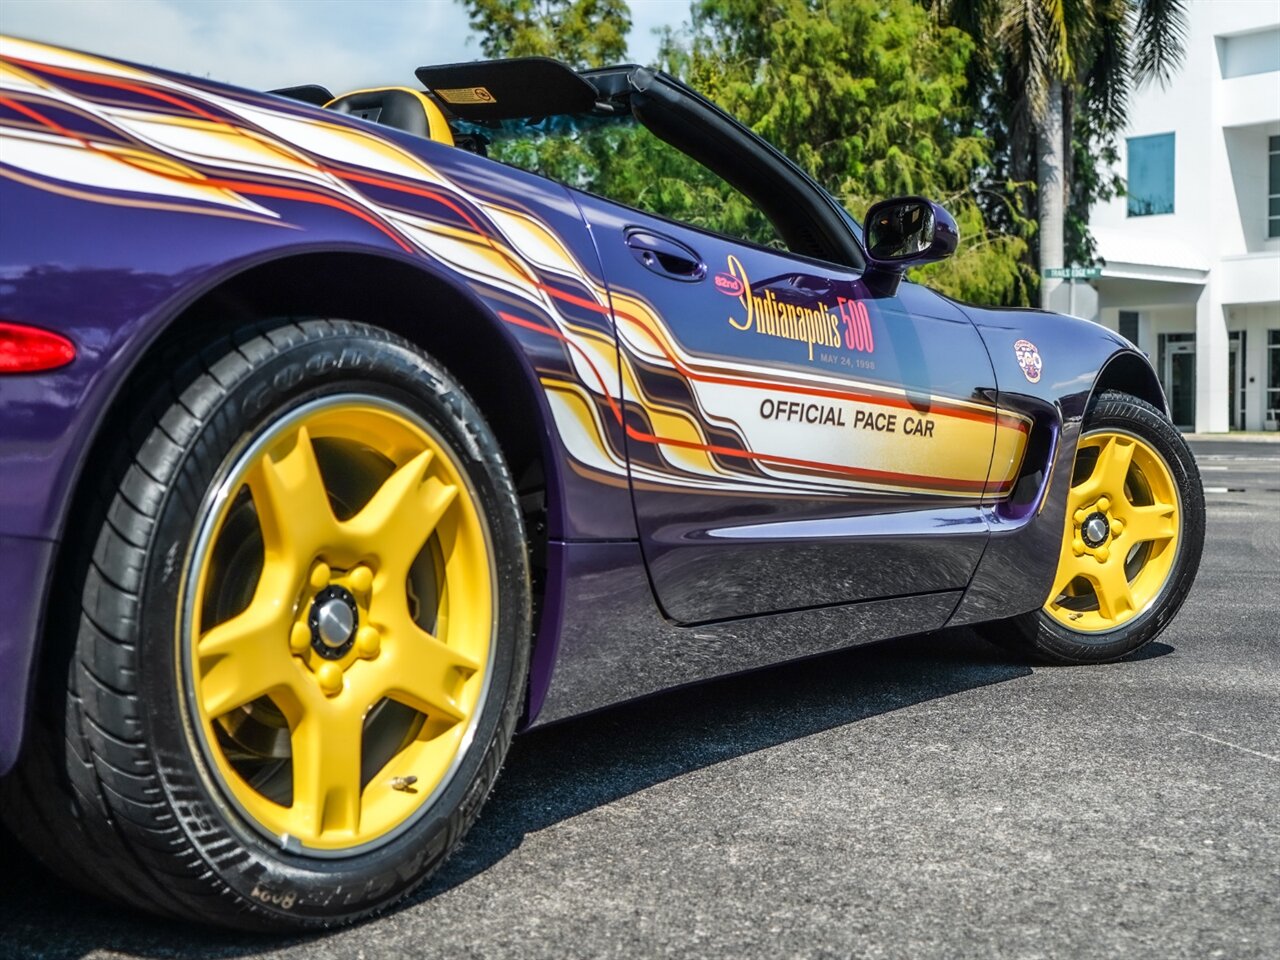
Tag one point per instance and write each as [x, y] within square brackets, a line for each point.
[420, 504]
[437, 125]
[1102, 583]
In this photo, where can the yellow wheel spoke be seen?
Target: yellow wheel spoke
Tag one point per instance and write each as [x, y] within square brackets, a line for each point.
[1109, 470]
[1150, 523]
[293, 507]
[1061, 578]
[245, 658]
[1069, 567]
[404, 512]
[1115, 598]
[326, 772]
[423, 672]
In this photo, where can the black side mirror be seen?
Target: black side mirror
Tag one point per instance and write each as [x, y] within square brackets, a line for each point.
[905, 232]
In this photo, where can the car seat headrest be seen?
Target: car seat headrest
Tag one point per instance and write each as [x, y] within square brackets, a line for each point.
[400, 107]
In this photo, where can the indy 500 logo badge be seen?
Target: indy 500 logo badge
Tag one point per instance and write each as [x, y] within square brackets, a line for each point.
[1028, 359]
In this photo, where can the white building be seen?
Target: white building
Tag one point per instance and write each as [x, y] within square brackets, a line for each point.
[1192, 254]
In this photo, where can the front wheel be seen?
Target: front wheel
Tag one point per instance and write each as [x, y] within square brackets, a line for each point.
[302, 647]
[1131, 544]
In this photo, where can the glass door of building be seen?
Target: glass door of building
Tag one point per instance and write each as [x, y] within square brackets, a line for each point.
[1271, 410]
[1179, 376]
[1235, 413]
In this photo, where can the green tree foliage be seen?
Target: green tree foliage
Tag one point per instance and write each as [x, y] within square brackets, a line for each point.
[584, 33]
[868, 96]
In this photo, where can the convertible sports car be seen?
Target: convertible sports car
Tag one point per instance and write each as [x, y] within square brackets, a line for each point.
[334, 448]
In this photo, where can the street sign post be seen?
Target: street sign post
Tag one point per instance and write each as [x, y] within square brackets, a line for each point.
[1071, 275]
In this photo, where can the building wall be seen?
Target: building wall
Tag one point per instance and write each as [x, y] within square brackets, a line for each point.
[1208, 267]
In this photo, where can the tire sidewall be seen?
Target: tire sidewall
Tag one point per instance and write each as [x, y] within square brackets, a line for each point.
[293, 887]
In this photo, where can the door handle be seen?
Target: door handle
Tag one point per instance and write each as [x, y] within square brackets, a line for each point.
[665, 257]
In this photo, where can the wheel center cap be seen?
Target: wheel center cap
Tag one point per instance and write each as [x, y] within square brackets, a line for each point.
[333, 622]
[1095, 530]
[336, 622]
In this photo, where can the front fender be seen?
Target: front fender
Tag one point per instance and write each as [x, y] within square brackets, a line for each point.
[1130, 371]
[1077, 359]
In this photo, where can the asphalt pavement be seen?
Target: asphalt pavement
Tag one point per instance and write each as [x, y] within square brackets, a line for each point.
[920, 798]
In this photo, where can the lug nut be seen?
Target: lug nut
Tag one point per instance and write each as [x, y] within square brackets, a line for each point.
[368, 642]
[320, 576]
[1117, 525]
[1077, 547]
[1102, 553]
[1080, 516]
[1104, 504]
[330, 677]
[300, 638]
[361, 579]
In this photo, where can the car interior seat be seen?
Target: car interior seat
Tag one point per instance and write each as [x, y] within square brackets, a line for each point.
[400, 107]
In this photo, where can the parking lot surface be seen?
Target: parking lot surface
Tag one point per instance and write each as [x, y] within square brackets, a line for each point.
[921, 798]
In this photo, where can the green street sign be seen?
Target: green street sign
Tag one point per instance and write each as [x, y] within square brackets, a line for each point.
[1071, 273]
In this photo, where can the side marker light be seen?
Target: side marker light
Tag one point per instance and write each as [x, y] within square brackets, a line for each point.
[26, 349]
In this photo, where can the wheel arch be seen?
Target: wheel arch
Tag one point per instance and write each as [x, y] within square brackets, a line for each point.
[456, 328]
[1131, 373]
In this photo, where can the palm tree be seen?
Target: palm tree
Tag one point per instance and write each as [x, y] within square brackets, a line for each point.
[1053, 58]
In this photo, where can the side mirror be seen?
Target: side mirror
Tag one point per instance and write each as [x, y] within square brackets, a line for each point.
[905, 232]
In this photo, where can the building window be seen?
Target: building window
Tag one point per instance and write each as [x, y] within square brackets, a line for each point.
[1247, 54]
[1129, 326]
[1273, 186]
[1150, 175]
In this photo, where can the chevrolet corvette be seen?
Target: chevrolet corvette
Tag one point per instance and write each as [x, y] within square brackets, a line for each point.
[338, 443]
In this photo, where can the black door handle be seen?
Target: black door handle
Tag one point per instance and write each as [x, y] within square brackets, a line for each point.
[665, 257]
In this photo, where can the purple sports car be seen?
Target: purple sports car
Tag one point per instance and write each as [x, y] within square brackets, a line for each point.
[337, 444]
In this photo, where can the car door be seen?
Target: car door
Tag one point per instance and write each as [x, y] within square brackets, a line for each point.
[793, 439]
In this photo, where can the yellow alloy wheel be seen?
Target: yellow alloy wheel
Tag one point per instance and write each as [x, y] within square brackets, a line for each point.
[1121, 537]
[337, 636]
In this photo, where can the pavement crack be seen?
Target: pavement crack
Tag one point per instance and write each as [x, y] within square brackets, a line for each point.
[1228, 743]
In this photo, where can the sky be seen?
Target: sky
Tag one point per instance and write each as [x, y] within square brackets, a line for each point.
[262, 44]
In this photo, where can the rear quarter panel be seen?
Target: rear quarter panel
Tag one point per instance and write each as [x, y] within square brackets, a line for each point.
[129, 193]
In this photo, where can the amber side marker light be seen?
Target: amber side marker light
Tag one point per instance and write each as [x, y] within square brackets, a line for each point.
[26, 349]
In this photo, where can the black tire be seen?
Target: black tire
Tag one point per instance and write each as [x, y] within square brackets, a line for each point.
[1041, 637]
[113, 791]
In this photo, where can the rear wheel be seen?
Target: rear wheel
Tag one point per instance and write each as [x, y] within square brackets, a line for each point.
[1131, 545]
[303, 642]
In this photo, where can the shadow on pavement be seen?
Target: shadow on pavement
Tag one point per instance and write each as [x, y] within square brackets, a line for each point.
[556, 773]
[566, 769]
